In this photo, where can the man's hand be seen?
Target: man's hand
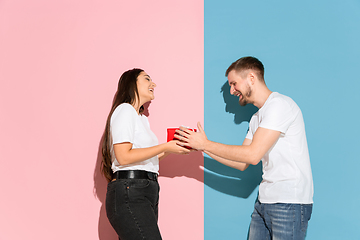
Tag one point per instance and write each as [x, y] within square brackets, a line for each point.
[195, 140]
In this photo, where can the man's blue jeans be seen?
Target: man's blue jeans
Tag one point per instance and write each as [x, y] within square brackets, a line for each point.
[279, 221]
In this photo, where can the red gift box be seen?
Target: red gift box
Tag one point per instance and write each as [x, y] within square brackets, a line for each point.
[171, 132]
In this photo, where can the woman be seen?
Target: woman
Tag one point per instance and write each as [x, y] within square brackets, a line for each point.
[131, 156]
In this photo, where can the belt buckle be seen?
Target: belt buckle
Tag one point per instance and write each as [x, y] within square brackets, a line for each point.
[131, 174]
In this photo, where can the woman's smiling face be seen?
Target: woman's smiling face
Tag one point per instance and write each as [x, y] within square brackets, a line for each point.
[145, 87]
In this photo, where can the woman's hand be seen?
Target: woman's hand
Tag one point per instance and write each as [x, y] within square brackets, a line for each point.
[175, 146]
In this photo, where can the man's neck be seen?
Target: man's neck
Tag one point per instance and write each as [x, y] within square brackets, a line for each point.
[262, 95]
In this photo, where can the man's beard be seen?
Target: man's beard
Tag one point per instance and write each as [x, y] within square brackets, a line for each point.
[244, 100]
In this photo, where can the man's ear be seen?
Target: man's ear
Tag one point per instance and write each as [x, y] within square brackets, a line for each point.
[252, 77]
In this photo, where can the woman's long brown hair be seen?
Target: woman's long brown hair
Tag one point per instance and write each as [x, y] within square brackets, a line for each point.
[127, 92]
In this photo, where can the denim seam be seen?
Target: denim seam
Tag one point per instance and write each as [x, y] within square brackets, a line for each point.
[294, 222]
[303, 221]
[131, 212]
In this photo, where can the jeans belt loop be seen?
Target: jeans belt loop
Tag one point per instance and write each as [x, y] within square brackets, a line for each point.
[152, 176]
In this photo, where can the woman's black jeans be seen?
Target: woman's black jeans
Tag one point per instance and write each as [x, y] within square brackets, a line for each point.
[132, 208]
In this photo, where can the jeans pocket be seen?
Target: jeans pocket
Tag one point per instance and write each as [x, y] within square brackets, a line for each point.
[306, 210]
[139, 183]
[110, 202]
[143, 190]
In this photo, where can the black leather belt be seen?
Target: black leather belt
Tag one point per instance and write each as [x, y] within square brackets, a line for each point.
[135, 174]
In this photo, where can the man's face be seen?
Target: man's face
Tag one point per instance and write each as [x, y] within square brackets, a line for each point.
[239, 86]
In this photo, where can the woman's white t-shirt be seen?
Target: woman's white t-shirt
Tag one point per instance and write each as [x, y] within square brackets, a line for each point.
[128, 126]
[287, 176]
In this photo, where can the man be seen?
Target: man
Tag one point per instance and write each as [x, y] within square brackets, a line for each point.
[277, 137]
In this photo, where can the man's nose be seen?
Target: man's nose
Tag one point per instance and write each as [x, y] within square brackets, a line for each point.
[231, 90]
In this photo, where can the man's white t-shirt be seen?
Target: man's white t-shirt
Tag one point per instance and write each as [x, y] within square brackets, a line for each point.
[287, 176]
[128, 126]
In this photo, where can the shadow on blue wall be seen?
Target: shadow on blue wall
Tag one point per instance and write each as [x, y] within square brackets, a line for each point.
[241, 114]
[225, 179]
[229, 180]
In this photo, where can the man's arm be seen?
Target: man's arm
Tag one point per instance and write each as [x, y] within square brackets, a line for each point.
[262, 141]
[234, 164]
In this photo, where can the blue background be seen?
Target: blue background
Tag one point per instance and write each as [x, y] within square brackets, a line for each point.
[310, 50]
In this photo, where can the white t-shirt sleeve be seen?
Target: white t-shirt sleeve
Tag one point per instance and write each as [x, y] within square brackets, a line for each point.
[249, 134]
[278, 116]
[123, 124]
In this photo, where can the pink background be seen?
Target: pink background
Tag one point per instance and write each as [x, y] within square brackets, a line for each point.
[59, 66]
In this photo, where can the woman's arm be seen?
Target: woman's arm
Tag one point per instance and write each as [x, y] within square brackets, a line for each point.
[125, 154]
[163, 155]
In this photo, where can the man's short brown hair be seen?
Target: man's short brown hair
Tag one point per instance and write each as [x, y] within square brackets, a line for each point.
[246, 63]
